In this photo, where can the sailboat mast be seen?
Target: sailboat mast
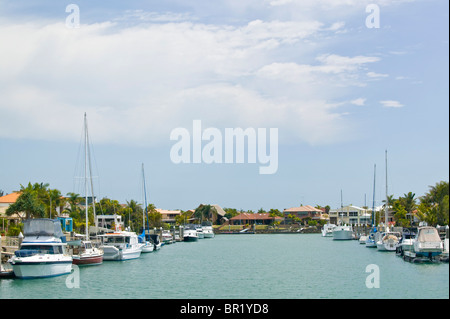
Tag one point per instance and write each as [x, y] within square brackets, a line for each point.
[145, 197]
[386, 209]
[85, 173]
[373, 202]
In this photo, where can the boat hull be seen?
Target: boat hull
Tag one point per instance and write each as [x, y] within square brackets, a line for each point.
[342, 234]
[90, 260]
[190, 238]
[115, 254]
[36, 269]
[208, 235]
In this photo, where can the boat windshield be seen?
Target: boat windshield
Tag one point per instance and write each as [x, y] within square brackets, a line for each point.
[30, 250]
[117, 240]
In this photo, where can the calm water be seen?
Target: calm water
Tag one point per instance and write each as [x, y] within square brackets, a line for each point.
[294, 266]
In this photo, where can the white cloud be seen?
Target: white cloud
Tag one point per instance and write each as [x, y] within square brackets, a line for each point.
[139, 82]
[377, 75]
[391, 103]
[359, 101]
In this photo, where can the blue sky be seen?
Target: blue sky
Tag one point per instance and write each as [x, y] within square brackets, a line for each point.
[339, 93]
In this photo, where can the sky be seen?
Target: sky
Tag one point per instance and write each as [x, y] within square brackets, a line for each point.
[339, 89]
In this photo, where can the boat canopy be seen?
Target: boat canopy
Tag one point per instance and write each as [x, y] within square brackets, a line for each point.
[42, 227]
[428, 234]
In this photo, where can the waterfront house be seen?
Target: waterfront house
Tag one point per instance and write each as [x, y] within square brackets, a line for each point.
[352, 215]
[256, 218]
[5, 202]
[302, 212]
[168, 216]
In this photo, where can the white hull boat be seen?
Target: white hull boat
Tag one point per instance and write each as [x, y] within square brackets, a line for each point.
[121, 246]
[427, 243]
[327, 230]
[190, 233]
[388, 242]
[343, 233]
[43, 251]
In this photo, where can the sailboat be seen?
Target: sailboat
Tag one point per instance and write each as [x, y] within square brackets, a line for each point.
[389, 240]
[371, 239]
[146, 242]
[84, 252]
[342, 232]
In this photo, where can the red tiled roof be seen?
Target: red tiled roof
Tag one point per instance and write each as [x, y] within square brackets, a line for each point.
[10, 198]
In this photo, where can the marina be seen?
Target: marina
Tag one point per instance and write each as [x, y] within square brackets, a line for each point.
[280, 266]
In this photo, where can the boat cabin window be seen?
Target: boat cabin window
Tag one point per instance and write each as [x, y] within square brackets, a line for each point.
[42, 249]
[114, 240]
[87, 245]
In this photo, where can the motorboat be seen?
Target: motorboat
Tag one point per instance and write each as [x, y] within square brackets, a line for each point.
[199, 230]
[190, 233]
[208, 230]
[406, 242]
[344, 232]
[327, 230]
[167, 237]
[388, 241]
[362, 239]
[428, 243]
[156, 241]
[43, 250]
[85, 253]
[123, 245]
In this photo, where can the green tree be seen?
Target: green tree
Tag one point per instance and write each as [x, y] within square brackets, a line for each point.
[400, 215]
[433, 207]
[27, 203]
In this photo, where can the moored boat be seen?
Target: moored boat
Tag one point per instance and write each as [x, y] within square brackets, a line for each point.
[388, 241]
[344, 232]
[121, 245]
[327, 230]
[190, 233]
[208, 230]
[86, 254]
[42, 252]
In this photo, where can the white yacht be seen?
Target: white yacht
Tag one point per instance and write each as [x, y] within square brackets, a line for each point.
[327, 230]
[427, 243]
[388, 241]
[344, 232]
[123, 245]
[208, 231]
[406, 243]
[190, 233]
[42, 252]
[167, 237]
[199, 230]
